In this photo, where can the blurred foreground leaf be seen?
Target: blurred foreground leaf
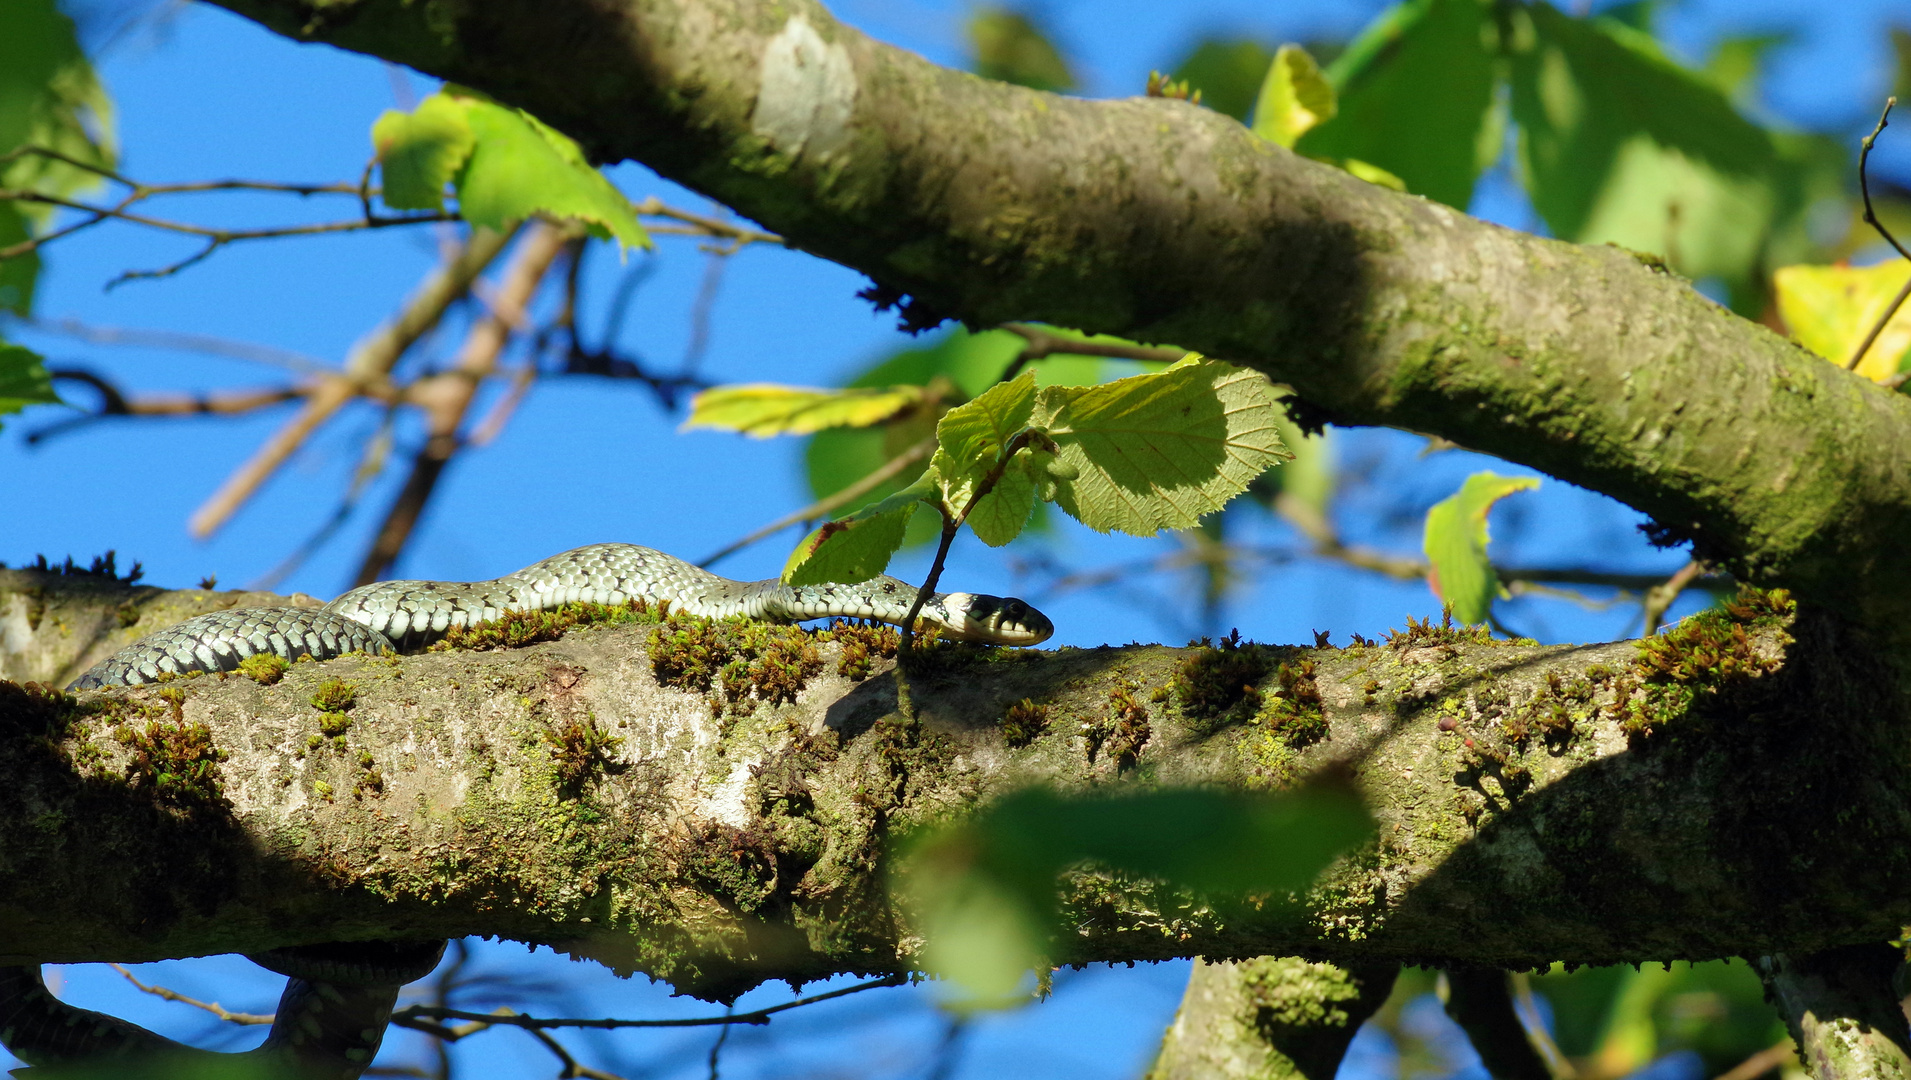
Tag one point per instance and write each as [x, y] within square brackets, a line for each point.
[986, 888]
[1008, 45]
[23, 380]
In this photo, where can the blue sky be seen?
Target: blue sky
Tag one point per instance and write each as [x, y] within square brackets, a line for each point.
[203, 94]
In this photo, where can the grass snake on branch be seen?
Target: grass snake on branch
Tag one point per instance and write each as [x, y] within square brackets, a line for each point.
[339, 997]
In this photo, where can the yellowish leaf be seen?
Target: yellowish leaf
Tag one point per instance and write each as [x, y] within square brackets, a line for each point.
[1830, 309]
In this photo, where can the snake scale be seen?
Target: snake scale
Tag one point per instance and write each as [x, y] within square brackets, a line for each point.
[339, 997]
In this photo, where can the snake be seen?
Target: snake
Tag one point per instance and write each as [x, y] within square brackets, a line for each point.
[339, 997]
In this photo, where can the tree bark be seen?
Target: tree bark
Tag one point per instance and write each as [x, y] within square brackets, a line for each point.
[1842, 1009]
[560, 794]
[1272, 1018]
[1159, 220]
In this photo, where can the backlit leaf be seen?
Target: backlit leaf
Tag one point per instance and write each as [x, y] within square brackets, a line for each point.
[1295, 98]
[971, 437]
[421, 151]
[519, 167]
[766, 409]
[1831, 308]
[1158, 451]
[859, 547]
[1456, 539]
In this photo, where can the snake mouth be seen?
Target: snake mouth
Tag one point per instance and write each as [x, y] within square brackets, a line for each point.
[995, 620]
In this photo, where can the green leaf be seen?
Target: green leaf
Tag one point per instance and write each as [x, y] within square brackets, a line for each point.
[766, 409]
[49, 97]
[1227, 71]
[18, 274]
[986, 888]
[519, 167]
[23, 380]
[1456, 539]
[1416, 99]
[1158, 451]
[1295, 98]
[1622, 145]
[858, 547]
[1830, 309]
[971, 437]
[421, 151]
[1009, 46]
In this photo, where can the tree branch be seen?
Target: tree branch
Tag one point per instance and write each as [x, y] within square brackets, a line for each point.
[1159, 221]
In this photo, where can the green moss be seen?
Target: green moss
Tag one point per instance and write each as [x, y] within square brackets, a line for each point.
[264, 668]
[1701, 658]
[516, 629]
[748, 663]
[1292, 711]
[335, 696]
[1024, 722]
[322, 789]
[177, 762]
[1215, 687]
[1123, 731]
[737, 866]
[860, 645]
[1422, 633]
[334, 724]
[580, 753]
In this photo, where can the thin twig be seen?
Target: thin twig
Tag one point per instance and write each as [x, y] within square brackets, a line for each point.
[1775, 1056]
[707, 226]
[1661, 596]
[830, 503]
[412, 1015]
[185, 342]
[1871, 218]
[212, 1007]
[1042, 343]
[1527, 1009]
[446, 408]
[370, 363]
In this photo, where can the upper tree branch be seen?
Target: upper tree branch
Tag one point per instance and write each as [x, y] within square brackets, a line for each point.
[1158, 220]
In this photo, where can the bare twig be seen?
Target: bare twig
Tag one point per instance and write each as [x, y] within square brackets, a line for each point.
[702, 225]
[447, 398]
[1042, 343]
[212, 1007]
[186, 342]
[1661, 596]
[417, 1016]
[829, 504]
[369, 364]
[1527, 1010]
[1871, 218]
[115, 403]
[1775, 1056]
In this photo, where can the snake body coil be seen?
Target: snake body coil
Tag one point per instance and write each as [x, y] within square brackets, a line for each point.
[339, 997]
[405, 616]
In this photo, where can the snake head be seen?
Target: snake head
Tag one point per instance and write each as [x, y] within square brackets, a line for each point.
[994, 620]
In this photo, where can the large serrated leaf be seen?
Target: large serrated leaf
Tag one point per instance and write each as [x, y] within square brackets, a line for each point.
[421, 151]
[519, 167]
[765, 409]
[970, 441]
[1415, 96]
[1622, 145]
[23, 380]
[1456, 540]
[1830, 309]
[1159, 451]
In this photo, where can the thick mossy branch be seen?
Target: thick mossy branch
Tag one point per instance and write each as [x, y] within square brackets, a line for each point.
[1162, 221]
[578, 792]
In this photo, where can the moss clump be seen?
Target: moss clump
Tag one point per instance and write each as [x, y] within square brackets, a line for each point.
[861, 645]
[516, 629]
[335, 695]
[580, 753]
[264, 668]
[735, 865]
[1700, 658]
[749, 662]
[322, 789]
[1292, 711]
[1215, 686]
[334, 724]
[1024, 722]
[177, 762]
[1123, 732]
[1422, 633]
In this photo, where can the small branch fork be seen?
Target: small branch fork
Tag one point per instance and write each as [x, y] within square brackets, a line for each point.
[429, 1019]
[1871, 218]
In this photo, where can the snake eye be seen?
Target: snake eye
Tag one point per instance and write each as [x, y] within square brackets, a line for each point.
[1014, 610]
